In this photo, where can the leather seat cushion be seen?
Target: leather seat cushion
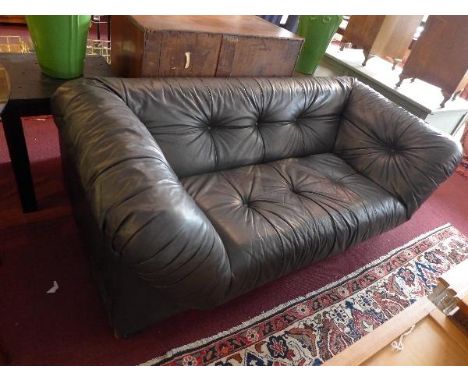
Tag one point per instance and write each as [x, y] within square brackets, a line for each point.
[279, 216]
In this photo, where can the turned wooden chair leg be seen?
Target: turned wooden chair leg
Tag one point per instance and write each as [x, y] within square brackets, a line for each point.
[446, 98]
[396, 61]
[367, 56]
[455, 95]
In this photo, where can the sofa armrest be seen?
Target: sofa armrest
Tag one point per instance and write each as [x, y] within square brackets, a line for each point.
[145, 215]
[393, 148]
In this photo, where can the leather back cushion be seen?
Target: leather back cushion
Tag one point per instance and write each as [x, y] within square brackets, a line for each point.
[209, 124]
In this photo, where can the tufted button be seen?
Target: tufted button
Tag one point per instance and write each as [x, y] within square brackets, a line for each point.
[392, 149]
[248, 203]
[294, 190]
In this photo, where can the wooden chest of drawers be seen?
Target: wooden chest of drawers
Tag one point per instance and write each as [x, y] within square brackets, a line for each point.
[440, 55]
[201, 46]
[383, 36]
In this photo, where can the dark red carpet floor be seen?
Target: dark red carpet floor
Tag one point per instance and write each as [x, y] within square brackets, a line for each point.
[70, 326]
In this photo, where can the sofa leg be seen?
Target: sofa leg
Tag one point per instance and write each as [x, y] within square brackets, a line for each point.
[120, 336]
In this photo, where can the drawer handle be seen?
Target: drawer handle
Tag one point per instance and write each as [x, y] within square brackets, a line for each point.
[187, 60]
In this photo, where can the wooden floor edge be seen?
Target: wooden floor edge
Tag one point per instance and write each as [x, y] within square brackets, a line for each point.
[369, 345]
[451, 328]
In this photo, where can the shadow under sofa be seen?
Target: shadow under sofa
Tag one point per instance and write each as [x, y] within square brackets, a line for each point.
[192, 191]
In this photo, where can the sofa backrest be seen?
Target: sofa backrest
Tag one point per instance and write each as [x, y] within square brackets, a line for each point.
[210, 124]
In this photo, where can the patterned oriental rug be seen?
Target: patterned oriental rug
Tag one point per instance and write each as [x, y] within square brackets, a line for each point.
[311, 329]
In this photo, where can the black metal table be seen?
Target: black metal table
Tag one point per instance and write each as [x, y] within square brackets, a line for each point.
[30, 95]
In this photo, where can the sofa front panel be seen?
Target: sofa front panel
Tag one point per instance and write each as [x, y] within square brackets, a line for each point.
[278, 217]
[208, 124]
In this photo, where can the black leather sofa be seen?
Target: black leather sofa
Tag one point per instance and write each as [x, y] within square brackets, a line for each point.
[191, 192]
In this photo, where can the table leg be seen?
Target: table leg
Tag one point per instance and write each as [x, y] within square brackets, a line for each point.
[19, 157]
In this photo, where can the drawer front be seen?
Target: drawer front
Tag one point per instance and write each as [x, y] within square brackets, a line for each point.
[255, 56]
[186, 54]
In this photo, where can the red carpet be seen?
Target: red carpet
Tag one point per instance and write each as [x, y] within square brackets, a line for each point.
[70, 327]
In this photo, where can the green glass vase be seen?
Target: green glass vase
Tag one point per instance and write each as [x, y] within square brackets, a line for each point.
[317, 32]
[60, 43]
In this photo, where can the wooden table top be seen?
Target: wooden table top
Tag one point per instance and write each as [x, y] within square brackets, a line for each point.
[231, 25]
[29, 83]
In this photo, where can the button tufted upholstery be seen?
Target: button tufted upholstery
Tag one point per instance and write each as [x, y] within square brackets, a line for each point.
[190, 192]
